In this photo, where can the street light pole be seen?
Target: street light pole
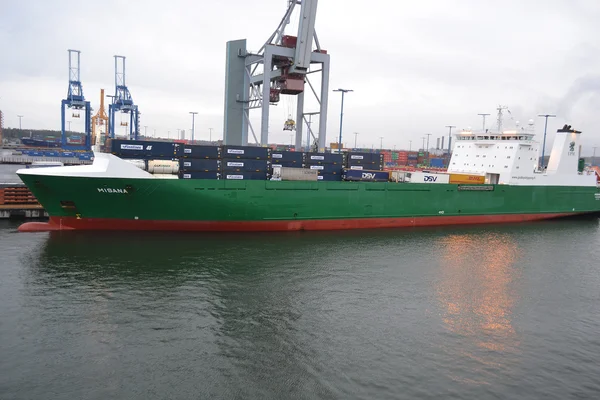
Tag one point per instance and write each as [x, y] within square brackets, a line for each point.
[545, 127]
[210, 134]
[145, 130]
[428, 134]
[20, 116]
[355, 137]
[344, 91]
[410, 145]
[594, 156]
[381, 142]
[193, 115]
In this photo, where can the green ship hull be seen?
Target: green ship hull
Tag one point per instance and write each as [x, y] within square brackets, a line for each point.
[229, 205]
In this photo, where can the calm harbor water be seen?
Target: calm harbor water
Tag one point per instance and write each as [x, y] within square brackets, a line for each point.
[483, 312]
[7, 173]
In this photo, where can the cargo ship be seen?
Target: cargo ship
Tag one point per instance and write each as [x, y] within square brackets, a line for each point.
[35, 142]
[491, 178]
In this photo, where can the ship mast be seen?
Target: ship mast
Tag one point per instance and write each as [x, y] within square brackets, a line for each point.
[500, 108]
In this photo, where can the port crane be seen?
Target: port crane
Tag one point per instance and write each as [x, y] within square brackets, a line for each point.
[100, 120]
[280, 67]
[123, 102]
[75, 101]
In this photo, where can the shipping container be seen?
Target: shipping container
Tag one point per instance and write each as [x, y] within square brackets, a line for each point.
[368, 176]
[246, 152]
[326, 168]
[398, 176]
[145, 149]
[376, 161]
[329, 177]
[357, 167]
[323, 158]
[294, 174]
[247, 165]
[426, 177]
[437, 162]
[201, 152]
[164, 167]
[199, 165]
[287, 157]
[246, 175]
[287, 164]
[199, 175]
[141, 164]
[466, 178]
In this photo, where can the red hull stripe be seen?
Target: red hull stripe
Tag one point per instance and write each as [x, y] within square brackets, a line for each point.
[70, 223]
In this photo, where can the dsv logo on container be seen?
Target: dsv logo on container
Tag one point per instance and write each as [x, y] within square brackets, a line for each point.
[368, 175]
[429, 178]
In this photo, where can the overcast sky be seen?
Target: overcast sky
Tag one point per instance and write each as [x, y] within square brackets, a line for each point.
[414, 66]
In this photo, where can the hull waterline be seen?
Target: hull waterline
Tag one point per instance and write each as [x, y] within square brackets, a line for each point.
[107, 224]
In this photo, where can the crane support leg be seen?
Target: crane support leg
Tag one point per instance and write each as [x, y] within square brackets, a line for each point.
[266, 92]
[88, 125]
[324, 102]
[299, 121]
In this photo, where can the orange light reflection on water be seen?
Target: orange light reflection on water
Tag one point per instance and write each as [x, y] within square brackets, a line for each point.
[476, 291]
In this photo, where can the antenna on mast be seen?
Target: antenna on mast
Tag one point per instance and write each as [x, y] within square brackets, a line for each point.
[500, 108]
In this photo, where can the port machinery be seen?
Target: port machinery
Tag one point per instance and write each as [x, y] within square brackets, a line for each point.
[76, 101]
[100, 120]
[123, 102]
[285, 62]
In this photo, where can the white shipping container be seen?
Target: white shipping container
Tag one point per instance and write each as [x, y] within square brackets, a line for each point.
[424, 177]
[163, 167]
[295, 174]
[138, 163]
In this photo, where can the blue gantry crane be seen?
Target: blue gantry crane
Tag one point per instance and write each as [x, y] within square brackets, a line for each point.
[76, 101]
[123, 102]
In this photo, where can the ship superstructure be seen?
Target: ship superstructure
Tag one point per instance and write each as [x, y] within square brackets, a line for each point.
[511, 157]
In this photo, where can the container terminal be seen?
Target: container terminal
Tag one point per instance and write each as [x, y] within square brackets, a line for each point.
[388, 182]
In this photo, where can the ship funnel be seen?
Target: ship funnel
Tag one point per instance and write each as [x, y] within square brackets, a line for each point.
[564, 157]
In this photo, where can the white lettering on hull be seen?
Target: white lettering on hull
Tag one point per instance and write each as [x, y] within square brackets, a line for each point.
[113, 191]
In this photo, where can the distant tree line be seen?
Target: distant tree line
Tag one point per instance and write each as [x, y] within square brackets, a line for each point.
[16, 133]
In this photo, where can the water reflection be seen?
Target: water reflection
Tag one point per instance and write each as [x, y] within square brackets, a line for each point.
[478, 295]
[476, 288]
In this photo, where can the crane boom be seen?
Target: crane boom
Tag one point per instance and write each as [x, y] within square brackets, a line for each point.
[306, 32]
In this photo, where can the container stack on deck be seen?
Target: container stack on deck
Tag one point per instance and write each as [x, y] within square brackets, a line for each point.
[247, 162]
